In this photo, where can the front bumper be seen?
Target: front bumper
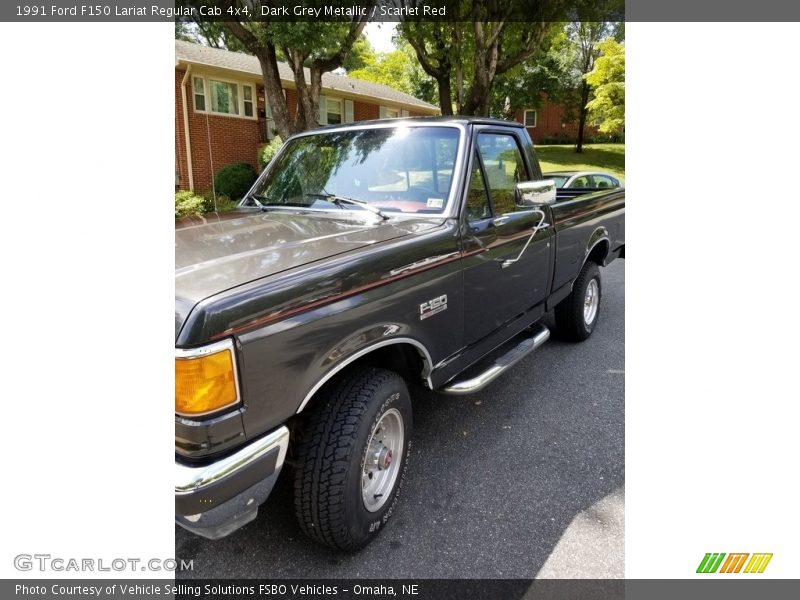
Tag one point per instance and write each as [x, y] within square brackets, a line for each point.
[216, 499]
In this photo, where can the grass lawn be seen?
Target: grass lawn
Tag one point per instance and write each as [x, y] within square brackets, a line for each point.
[595, 157]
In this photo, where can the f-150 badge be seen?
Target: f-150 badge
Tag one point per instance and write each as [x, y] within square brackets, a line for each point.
[431, 307]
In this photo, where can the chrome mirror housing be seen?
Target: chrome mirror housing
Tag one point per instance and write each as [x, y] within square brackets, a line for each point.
[536, 193]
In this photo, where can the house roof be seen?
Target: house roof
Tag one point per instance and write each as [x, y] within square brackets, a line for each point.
[188, 52]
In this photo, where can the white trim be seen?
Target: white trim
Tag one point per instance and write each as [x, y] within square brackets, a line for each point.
[253, 100]
[183, 62]
[240, 92]
[323, 109]
[525, 117]
[341, 113]
[187, 138]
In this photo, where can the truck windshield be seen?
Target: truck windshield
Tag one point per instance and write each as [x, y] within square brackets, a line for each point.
[394, 169]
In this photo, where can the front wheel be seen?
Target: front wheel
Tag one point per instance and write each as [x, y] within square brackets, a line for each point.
[352, 459]
[578, 313]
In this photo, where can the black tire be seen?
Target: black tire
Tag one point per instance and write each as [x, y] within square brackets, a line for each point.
[570, 322]
[332, 452]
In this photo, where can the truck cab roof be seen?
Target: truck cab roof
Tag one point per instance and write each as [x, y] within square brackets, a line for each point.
[455, 119]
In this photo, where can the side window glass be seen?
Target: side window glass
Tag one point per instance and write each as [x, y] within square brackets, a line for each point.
[581, 182]
[601, 181]
[504, 167]
[477, 199]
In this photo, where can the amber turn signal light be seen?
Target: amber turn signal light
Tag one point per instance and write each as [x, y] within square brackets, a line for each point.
[205, 380]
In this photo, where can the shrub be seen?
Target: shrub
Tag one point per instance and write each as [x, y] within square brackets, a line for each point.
[188, 203]
[268, 151]
[235, 179]
[558, 138]
[224, 204]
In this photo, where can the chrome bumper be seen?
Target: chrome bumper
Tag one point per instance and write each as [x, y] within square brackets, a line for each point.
[216, 499]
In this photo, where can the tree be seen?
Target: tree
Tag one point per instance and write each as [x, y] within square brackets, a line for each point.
[430, 41]
[584, 37]
[361, 55]
[482, 40]
[608, 80]
[208, 33]
[318, 47]
[545, 75]
[389, 68]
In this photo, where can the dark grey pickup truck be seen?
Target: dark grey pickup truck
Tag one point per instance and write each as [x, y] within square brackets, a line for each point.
[366, 258]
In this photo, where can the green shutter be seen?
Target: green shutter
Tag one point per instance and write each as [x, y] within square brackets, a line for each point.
[323, 110]
[348, 111]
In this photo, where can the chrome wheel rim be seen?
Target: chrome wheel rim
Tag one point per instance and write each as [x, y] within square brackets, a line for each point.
[382, 462]
[591, 302]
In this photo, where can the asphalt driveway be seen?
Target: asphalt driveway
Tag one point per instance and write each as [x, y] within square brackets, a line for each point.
[498, 482]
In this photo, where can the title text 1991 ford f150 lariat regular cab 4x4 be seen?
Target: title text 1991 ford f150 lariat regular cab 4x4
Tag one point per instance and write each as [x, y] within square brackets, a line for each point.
[364, 258]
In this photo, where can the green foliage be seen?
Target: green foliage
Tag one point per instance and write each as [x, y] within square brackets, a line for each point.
[268, 151]
[563, 138]
[486, 41]
[361, 55]
[314, 40]
[608, 80]
[558, 71]
[310, 49]
[188, 203]
[394, 69]
[609, 158]
[206, 32]
[547, 74]
[223, 203]
[191, 203]
[235, 179]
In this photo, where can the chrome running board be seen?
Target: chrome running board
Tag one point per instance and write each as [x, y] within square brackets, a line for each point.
[469, 386]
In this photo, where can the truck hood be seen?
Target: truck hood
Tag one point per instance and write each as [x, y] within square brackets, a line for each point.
[216, 252]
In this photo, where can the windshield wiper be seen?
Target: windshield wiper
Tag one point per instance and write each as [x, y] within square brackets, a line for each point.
[340, 200]
[256, 199]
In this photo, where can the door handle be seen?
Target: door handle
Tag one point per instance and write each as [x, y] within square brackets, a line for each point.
[540, 225]
[500, 220]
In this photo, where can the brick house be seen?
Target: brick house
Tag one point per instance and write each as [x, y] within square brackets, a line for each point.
[547, 124]
[221, 113]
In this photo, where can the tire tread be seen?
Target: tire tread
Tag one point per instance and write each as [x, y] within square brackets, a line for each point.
[327, 444]
[569, 312]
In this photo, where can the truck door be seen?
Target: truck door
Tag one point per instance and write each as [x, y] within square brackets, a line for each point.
[499, 229]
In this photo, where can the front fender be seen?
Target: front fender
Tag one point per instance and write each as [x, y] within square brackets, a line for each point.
[362, 343]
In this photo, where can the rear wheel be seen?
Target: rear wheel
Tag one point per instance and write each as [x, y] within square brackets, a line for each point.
[352, 459]
[577, 315]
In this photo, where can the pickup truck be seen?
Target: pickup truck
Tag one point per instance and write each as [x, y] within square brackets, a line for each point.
[365, 259]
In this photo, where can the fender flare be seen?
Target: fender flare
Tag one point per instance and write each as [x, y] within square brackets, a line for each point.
[427, 364]
[599, 236]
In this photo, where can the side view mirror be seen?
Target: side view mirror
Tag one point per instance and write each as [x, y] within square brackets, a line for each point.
[536, 193]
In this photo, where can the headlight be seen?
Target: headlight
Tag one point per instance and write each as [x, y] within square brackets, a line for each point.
[205, 379]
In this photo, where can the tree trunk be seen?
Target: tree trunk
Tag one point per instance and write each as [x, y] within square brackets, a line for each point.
[582, 117]
[316, 89]
[274, 92]
[479, 93]
[445, 94]
[459, 70]
[306, 117]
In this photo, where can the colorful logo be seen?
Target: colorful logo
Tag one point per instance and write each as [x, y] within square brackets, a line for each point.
[734, 562]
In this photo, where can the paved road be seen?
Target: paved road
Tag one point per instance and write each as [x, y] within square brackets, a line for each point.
[495, 482]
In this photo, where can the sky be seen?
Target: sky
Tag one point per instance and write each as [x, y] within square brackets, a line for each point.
[380, 35]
